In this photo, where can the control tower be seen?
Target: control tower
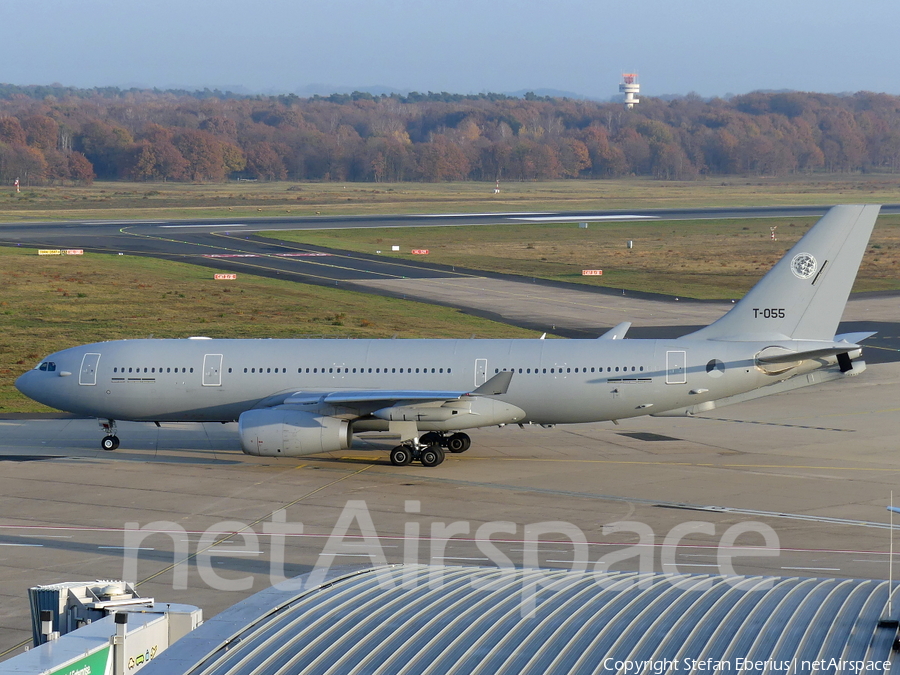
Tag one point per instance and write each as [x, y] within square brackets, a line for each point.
[630, 88]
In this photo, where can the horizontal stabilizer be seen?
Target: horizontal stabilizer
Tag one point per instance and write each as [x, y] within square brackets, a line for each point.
[617, 333]
[780, 387]
[790, 357]
[854, 337]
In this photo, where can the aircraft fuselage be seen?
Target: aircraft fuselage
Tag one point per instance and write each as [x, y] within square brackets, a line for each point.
[554, 381]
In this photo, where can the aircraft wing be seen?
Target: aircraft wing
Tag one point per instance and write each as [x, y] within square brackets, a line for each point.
[496, 386]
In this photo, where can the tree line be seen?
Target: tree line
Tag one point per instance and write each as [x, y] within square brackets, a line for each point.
[54, 134]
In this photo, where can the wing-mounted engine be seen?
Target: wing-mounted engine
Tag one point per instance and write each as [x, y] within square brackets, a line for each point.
[285, 432]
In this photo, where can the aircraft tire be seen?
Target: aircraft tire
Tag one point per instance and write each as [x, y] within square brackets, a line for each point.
[401, 456]
[459, 443]
[433, 455]
[109, 443]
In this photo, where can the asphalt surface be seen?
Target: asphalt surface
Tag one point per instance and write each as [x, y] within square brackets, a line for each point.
[813, 468]
[816, 466]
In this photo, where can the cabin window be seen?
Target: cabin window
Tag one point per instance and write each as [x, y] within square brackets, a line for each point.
[192, 370]
[568, 370]
[442, 370]
[394, 370]
[545, 370]
[448, 370]
[642, 369]
[245, 370]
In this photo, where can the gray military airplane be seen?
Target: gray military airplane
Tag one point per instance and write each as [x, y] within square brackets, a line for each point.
[301, 397]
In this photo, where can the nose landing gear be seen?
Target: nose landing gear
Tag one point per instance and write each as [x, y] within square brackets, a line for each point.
[110, 441]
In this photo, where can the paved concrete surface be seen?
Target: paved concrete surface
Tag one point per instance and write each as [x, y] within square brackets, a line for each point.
[816, 465]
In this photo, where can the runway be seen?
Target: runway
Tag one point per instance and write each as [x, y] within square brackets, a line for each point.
[569, 310]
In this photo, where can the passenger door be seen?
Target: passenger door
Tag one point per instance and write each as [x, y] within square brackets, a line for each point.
[88, 374]
[212, 370]
[676, 367]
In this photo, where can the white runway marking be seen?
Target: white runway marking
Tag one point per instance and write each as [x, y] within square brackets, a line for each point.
[583, 219]
[226, 225]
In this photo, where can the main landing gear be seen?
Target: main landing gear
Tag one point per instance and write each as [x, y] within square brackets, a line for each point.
[430, 449]
[110, 441]
[455, 443]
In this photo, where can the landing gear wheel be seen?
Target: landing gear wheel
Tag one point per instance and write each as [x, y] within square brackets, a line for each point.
[432, 456]
[431, 438]
[459, 443]
[109, 442]
[401, 456]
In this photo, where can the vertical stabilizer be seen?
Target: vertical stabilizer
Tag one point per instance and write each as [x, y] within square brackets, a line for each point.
[804, 295]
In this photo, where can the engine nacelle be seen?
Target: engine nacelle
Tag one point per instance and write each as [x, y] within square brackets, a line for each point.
[281, 432]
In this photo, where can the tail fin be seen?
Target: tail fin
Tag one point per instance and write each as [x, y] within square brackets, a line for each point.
[803, 296]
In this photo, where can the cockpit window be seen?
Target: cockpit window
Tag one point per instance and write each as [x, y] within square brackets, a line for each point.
[48, 366]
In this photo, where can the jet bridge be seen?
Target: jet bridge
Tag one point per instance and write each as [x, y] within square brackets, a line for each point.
[98, 627]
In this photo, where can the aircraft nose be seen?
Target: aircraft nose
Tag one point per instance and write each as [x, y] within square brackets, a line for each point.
[26, 384]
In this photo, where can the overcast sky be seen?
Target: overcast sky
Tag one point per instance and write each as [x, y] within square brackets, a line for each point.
[711, 47]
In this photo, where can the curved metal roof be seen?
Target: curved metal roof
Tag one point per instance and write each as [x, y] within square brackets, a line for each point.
[467, 620]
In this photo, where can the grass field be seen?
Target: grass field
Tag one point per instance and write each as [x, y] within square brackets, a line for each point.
[119, 200]
[708, 259]
[48, 303]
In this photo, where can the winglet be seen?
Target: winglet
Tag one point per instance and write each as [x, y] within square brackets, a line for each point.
[616, 333]
[497, 385]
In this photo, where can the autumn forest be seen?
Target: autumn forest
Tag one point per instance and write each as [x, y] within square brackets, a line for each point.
[61, 135]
